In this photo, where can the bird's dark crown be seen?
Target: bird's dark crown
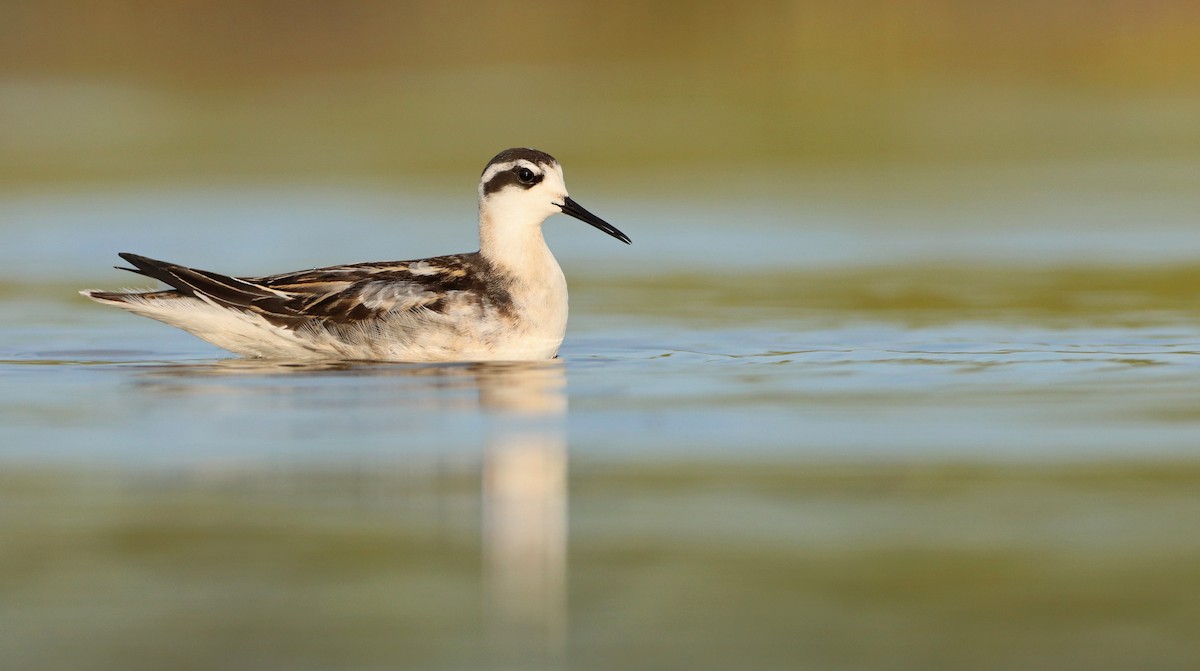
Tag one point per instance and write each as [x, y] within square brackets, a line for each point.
[517, 153]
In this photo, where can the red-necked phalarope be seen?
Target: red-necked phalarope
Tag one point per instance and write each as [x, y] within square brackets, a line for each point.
[508, 301]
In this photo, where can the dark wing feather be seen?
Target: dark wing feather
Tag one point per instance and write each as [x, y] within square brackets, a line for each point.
[221, 289]
[339, 294]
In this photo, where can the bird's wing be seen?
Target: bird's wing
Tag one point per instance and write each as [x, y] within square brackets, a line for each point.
[337, 294]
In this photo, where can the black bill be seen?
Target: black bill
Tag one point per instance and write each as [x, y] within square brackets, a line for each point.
[575, 210]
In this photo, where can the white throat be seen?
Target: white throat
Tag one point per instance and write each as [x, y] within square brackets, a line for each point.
[512, 239]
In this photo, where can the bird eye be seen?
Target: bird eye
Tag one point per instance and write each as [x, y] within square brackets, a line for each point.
[525, 175]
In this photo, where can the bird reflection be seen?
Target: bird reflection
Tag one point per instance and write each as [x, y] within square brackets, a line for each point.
[524, 507]
[525, 535]
[523, 470]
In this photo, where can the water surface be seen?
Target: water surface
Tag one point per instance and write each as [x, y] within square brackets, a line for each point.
[788, 443]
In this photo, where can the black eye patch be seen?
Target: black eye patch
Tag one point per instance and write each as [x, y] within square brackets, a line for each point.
[519, 176]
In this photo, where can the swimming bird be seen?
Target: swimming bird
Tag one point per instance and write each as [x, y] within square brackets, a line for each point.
[507, 301]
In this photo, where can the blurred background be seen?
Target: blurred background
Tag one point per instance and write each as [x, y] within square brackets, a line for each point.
[979, 130]
[899, 372]
[403, 91]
